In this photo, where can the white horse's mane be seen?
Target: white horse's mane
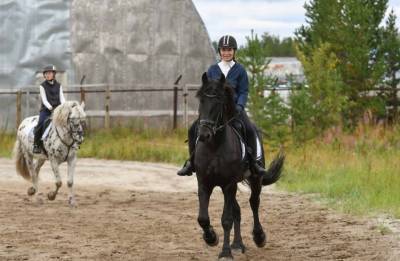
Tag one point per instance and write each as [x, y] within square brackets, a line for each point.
[62, 112]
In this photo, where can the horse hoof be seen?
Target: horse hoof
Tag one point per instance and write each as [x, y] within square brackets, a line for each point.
[212, 239]
[238, 247]
[31, 191]
[259, 239]
[51, 195]
[225, 255]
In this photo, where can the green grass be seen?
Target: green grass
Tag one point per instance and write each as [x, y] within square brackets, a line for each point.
[139, 145]
[361, 177]
[6, 144]
[357, 174]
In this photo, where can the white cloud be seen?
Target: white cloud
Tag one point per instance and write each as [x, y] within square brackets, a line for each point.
[238, 17]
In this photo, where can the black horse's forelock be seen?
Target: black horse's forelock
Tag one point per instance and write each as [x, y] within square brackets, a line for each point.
[224, 94]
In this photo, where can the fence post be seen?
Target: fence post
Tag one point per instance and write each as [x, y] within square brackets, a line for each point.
[18, 111]
[107, 107]
[175, 112]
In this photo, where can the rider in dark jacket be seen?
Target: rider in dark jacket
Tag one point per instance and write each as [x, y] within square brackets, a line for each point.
[51, 95]
[236, 75]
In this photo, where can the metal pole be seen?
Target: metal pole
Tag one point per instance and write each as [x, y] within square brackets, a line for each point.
[175, 123]
[28, 106]
[82, 90]
[107, 108]
[175, 112]
[185, 106]
[18, 111]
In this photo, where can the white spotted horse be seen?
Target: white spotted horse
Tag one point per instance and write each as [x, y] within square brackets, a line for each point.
[61, 141]
[219, 162]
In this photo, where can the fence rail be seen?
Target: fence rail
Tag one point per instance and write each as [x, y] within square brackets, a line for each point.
[109, 89]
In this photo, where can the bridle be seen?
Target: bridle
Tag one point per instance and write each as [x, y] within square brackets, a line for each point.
[217, 125]
[71, 132]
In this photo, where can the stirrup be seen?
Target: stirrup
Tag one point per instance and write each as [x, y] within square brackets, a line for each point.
[187, 169]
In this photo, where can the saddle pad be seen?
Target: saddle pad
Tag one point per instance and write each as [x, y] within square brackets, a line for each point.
[30, 127]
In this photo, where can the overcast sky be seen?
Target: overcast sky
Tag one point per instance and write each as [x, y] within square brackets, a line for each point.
[238, 17]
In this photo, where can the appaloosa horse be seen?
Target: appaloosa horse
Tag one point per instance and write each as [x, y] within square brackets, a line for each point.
[219, 162]
[60, 142]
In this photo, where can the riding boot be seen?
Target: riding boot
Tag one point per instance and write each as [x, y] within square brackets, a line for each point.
[188, 167]
[256, 166]
[37, 148]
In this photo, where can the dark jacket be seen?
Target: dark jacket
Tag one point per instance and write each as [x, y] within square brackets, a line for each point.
[52, 94]
[237, 78]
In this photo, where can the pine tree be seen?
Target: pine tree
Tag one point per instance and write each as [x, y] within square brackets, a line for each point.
[392, 62]
[352, 30]
[269, 113]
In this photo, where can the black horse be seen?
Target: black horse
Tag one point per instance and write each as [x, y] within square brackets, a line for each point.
[219, 162]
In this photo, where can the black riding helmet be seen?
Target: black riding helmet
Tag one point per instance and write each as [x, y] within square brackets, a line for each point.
[227, 41]
[49, 68]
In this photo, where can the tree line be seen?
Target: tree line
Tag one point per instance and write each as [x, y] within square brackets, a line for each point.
[350, 54]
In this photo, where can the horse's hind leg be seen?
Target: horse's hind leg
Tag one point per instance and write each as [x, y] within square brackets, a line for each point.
[209, 235]
[34, 178]
[237, 243]
[70, 182]
[55, 167]
[259, 236]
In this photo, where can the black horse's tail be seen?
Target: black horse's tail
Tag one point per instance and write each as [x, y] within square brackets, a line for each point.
[274, 171]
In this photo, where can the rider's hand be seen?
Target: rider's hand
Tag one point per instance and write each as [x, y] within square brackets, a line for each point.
[51, 108]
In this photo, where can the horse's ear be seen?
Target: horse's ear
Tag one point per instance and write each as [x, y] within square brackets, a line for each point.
[83, 105]
[204, 78]
[222, 79]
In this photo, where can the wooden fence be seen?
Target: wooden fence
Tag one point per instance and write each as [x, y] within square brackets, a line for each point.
[108, 90]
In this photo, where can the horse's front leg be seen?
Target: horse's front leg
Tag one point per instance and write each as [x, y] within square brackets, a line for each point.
[70, 182]
[55, 167]
[259, 236]
[209, 235]
[237, 243]
[227, 219]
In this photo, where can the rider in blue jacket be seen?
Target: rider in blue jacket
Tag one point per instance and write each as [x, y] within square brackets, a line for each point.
[51, 95]
[236, 75]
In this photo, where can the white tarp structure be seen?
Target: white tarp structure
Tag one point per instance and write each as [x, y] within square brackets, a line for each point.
[135, 42]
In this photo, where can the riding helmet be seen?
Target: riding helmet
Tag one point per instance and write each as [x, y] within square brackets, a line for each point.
[49, 68]
[227, 41]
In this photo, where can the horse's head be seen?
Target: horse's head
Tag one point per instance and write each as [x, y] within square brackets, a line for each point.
[71, 116]
[216, 106]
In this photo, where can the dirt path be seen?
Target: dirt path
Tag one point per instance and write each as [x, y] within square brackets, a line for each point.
[143, 211]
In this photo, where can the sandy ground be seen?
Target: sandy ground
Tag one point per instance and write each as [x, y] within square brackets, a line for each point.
[143, 211]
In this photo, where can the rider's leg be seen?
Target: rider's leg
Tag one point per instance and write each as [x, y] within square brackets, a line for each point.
[44, 114]
[252, 141]
[188, 167]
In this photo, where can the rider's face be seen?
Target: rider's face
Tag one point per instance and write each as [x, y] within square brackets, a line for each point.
[227, 54]
[49, 75]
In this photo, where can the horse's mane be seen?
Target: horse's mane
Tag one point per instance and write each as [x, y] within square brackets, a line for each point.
[225, 93]
[61, 113]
